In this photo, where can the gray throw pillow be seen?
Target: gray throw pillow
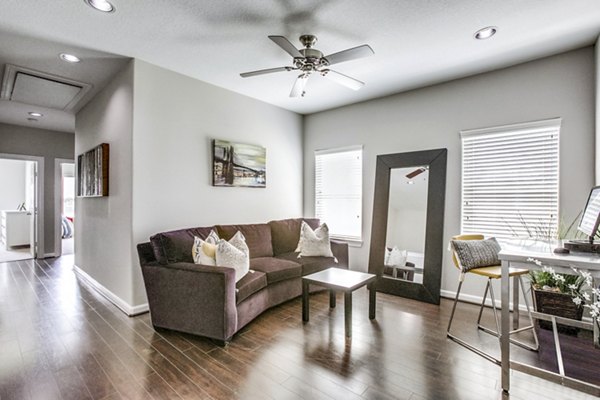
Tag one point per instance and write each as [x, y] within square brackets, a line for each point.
[476, 253]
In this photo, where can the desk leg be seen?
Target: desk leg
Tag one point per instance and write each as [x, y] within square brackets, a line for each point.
[331, 298]
[596, 282]
[505, 327]
[515, 302]
[372, 302]
[305, 301]
[348, 313]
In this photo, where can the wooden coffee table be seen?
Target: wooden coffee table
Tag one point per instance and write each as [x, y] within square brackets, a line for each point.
[337, 279]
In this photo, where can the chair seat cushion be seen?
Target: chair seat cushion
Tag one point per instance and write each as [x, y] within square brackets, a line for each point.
[309, 264]
[251, 283]
[495, 271]
[276, 269]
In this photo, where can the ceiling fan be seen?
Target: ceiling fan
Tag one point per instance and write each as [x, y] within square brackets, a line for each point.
[310, 60]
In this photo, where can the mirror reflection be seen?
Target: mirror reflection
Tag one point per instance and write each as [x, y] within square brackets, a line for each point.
[407, 218]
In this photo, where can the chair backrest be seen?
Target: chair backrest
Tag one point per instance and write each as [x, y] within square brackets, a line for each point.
[463, 237]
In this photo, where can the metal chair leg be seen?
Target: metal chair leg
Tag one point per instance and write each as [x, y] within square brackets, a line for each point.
[487, 287]
[454, 305]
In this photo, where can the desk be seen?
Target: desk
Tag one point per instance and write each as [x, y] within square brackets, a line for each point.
[515, 254]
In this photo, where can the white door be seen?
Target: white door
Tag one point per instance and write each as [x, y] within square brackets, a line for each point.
[32, 207]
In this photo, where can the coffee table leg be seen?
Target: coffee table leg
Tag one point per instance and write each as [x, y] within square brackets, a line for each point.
[332, 299]
[304, 301]
[372, 302]
[348, 313]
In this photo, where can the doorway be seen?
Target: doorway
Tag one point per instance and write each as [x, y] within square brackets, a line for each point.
[18, 207]
[64, 206]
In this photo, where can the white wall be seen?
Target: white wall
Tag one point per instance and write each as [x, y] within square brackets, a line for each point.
[103, 224]
[428, 118]
[175, 118]
[12, 182]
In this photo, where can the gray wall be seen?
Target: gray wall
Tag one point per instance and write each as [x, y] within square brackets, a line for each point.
[558, 86]
[175, 118]
[103, 224]
[159, 125]
[597, 77]
[42, 143]
[12, 182]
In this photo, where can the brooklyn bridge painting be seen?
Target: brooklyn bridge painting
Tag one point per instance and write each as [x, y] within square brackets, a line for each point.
[236, 164]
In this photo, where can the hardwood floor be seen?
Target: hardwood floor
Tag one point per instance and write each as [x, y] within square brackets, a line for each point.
[59, 340]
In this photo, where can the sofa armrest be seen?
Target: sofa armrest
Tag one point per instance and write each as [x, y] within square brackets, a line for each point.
[340, 251]
[192, 298]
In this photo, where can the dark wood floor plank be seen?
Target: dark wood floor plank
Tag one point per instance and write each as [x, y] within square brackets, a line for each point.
[70, 342]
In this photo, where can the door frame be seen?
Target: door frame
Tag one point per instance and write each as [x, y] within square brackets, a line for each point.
[38, 213]
[57, 202]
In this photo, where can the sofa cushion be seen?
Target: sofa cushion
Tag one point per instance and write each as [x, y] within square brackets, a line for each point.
[309, 264]
[286, 233]
[176, 246]
[258, 237]
[251, 283]
[276, 269]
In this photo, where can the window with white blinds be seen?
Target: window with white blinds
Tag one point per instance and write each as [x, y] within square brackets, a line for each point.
[338, 191]
[510, 180]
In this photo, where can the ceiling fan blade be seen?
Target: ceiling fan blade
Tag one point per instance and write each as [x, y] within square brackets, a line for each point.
[416, 172]
[350, 54]
[286, 45]
[265, 71]
[342, 79]
[299, 85]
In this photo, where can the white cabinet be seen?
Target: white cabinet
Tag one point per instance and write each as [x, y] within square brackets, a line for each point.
[16, 228]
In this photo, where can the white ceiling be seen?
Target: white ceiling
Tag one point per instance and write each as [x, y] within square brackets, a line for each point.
[416, 43]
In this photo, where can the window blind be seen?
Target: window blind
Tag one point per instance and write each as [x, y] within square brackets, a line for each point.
[338, 191]
[510, 180]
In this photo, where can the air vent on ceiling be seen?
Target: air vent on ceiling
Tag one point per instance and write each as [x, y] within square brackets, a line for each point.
[37, 88]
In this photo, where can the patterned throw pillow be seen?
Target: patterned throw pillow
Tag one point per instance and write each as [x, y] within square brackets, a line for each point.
[395, 257]
[314, 243]
[476, 253]
[204, 251]
[234, 254]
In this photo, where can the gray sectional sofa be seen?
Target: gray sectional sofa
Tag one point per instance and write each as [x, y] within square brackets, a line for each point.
[205, 300]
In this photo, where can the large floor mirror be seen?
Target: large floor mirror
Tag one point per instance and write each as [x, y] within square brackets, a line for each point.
[408, 223]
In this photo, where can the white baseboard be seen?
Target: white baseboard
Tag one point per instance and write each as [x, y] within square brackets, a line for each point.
[468, 298]
[110, 296]
[49, 255]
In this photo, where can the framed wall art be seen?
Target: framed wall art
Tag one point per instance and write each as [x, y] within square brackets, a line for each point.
[238, 164]
[92, 172]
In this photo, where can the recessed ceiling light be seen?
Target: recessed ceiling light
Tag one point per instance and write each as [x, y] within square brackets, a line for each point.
[411, 182]
[69, 58]
[485, 33]
[101, 5]
[35, 114]
[32, 119]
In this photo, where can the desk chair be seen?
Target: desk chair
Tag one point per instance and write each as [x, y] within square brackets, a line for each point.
[490, 272]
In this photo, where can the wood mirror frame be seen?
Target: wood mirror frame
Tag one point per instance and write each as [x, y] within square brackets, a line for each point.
[436, 159]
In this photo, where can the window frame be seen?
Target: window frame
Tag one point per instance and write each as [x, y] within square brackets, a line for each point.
[553, 124]
[351, 240]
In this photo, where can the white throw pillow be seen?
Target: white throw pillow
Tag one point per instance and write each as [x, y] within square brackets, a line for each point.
[314, 243]
[204, 252]
[234, 254]
[397, 257]
[212, 238]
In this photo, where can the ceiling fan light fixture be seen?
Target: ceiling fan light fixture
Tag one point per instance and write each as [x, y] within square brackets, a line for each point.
[485, 33]
[69, 58]
[101, 5]
[35, 114]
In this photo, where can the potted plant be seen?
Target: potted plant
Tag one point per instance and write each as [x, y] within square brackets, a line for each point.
[553, 293]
